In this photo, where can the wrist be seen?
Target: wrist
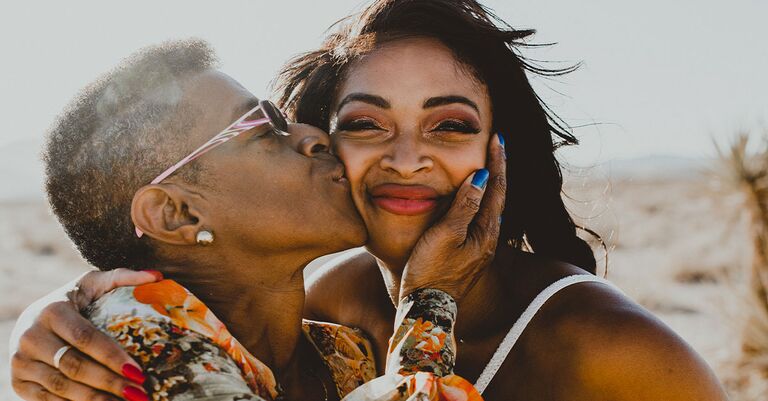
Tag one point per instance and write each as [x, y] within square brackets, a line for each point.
[423, 338]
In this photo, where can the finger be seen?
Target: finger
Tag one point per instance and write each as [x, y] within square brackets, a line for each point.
[58, 384]
[76, 366]
[81, 369]
[73, 329]
[465, 205]
[97, 283]
[34, 392]
[488, 222]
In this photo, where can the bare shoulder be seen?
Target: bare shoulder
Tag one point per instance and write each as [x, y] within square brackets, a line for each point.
[350, 279]
[619, 348]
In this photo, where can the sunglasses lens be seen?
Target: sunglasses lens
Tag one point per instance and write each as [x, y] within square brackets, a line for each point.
[275, 116]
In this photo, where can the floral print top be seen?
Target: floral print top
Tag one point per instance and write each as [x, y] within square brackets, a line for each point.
[188, 354]
[421, 356]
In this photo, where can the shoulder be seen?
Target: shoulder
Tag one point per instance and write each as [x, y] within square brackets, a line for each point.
[599, 342]
[166, 328]
[619, 348]
[352, 278]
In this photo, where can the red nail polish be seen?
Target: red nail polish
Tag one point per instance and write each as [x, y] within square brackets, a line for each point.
[133, 374]
[157, 274]
[133, 394]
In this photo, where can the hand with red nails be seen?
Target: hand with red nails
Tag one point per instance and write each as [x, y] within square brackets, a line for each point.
[451, 255]
[91, 366]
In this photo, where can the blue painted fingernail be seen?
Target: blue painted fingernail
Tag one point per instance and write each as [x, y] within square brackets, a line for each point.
[480, 178]
[503, 144]
[501, 219]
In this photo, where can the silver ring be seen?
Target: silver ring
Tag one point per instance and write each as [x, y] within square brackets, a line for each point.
[59, 354]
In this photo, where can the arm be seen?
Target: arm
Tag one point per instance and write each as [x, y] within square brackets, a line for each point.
[633, 356]
[96, 368]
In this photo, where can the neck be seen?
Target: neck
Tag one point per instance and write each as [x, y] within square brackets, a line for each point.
[392, 272]
[261, 307]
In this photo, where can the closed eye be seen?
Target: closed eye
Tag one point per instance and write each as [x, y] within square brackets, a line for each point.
[359, 125]
[457, 126]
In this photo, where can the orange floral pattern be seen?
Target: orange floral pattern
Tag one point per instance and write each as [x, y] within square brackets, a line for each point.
[189, 352]
[345, 351]
[421, 355]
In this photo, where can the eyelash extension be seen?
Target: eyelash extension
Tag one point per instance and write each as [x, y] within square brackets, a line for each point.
[358, 125]
[457, 126]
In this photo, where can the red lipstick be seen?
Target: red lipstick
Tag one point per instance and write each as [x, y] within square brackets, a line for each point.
[407, 200]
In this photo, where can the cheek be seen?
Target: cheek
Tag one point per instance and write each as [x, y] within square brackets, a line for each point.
[459, 164]
[358, 160]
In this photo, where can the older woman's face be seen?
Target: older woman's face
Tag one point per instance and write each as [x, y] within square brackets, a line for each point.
[410, 124]
[266, 192]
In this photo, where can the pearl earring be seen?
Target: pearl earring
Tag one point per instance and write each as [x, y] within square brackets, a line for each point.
[204, 237]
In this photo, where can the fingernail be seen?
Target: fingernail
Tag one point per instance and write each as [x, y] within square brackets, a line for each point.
[133, 394]
[157, 274]
[480, 179]
[133, 374]
[501, 219]
[503, 145]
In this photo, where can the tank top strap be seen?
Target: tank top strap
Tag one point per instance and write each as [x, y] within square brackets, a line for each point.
[519, 326]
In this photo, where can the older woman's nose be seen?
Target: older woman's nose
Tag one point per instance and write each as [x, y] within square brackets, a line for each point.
[308, 140]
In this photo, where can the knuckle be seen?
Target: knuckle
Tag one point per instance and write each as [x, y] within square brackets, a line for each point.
[455, 234]
[57, 383]
[111, 278]
[82, 335]
[16, 385]
[43, 395]
[472, 203]
[55, 310]
[500, 183]
[114, 384]
[27, 341]
[71, 364]
[18, 362]
[94, 395]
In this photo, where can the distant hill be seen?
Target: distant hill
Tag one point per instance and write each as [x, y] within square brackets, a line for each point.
[21, 170]
[658, 167]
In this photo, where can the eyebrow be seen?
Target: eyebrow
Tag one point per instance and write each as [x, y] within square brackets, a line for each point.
[365, 98]
[450, 99]
[384, 104]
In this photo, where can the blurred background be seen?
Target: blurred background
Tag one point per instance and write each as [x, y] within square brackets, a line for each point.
[670, 105]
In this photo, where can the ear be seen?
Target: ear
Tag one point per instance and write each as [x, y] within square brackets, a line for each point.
[168, 213]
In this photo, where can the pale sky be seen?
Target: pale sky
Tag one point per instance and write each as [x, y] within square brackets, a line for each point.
[660, 77]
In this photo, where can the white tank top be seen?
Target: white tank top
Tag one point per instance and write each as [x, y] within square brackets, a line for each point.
[517, 329]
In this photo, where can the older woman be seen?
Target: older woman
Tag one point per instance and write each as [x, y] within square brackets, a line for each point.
[137, 178]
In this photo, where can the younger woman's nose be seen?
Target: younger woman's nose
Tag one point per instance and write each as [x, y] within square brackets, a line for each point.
[406, 158]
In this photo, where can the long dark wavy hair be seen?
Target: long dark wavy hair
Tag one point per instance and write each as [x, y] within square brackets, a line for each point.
[490, 48]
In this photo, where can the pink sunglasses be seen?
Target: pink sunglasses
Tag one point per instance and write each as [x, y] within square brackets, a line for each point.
[272, 116]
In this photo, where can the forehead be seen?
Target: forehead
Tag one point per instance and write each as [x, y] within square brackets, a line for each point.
[416, 67]
[217, 100]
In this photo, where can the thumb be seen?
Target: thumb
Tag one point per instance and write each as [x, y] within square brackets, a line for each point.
[97, 283]
[466, 205]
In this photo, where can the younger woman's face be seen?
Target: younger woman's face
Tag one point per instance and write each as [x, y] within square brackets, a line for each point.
[410, 124]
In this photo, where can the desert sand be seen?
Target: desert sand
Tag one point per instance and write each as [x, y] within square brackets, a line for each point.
[677, 245]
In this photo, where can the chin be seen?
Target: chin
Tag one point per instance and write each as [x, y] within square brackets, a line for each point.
[394, 246]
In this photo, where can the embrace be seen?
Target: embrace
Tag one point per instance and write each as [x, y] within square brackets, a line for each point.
[413, 131]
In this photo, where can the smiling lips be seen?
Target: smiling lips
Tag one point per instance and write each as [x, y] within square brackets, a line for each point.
[408, 200]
